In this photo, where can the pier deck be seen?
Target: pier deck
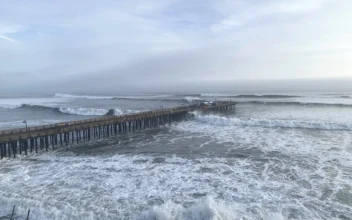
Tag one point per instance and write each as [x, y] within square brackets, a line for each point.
[23, 140]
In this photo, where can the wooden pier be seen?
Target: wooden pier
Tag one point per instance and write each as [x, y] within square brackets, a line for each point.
[18, 141]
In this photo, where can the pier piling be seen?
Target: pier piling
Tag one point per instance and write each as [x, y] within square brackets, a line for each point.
[17, 141]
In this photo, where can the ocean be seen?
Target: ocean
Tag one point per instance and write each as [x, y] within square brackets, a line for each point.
[277, 156]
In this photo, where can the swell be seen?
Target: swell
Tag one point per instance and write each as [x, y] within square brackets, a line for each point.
[148, 99]
[248, 96]
[170, 97]
[92, 97]
[265, 96]
[70, 110]
[272, 123]
[62, 95]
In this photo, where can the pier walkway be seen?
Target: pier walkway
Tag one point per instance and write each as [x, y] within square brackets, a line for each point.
[18, 141]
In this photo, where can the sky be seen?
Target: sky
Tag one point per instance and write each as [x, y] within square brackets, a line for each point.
[136, 43]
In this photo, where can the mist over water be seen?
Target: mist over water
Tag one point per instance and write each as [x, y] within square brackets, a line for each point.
[280, 156]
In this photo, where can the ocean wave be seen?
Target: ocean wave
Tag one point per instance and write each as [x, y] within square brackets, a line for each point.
[186, 94]
[86, 111]
[118, 111]
[272, 123]
[265, 96]
[318, 104]
[346, 97]
[72, 110]
[191, 98]
[10, 106]
[212, 95]
[92, 97]
[61, 95]
[147, 99]
[248, 96]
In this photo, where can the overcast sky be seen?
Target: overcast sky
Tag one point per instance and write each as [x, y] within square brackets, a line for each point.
[161, 41]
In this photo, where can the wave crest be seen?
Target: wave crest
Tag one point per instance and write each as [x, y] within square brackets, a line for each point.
[92, 97]
[85, 111]
[72, 110]
[192, 99]
[62, 95]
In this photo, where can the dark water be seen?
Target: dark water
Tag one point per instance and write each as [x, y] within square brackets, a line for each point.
[265, 160]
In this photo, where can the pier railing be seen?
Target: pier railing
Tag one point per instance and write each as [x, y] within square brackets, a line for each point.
[66, 132]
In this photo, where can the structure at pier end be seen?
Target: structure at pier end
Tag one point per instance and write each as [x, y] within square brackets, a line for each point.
[18, 141]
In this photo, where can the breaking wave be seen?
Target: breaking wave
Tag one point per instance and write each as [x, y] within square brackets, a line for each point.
[61, 95]
[147, 97]
[71, 110]
[85, 111]
[191, 99]
[272, 123]
[199, 97]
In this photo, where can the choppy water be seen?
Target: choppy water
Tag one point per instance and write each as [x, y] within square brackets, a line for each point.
[275, 157]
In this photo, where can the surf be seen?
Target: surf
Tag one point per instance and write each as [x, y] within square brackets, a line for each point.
[70, 110]
[271, 123]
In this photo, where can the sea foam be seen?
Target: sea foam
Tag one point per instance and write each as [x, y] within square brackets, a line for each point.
[272, 123]
[61, 95]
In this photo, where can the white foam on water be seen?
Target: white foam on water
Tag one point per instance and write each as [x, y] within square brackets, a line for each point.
[271, 137]
[211, 95]
[270, 123]
[163, 187]
[18, 102]
[83, 111]
[326, 100]
[68, 110]
[10, 106]
[118, 111]
[326, 147]
[297, 174]
[191, 98]
[70, 96]
[117, 186]
[94, 97]
[206, 209]
[144, 96]
[94, 111]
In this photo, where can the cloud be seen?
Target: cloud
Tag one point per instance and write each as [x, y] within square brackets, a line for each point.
[169, 40]
[238, 13]
[9, 39]
[226, 24]
[6, 30]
